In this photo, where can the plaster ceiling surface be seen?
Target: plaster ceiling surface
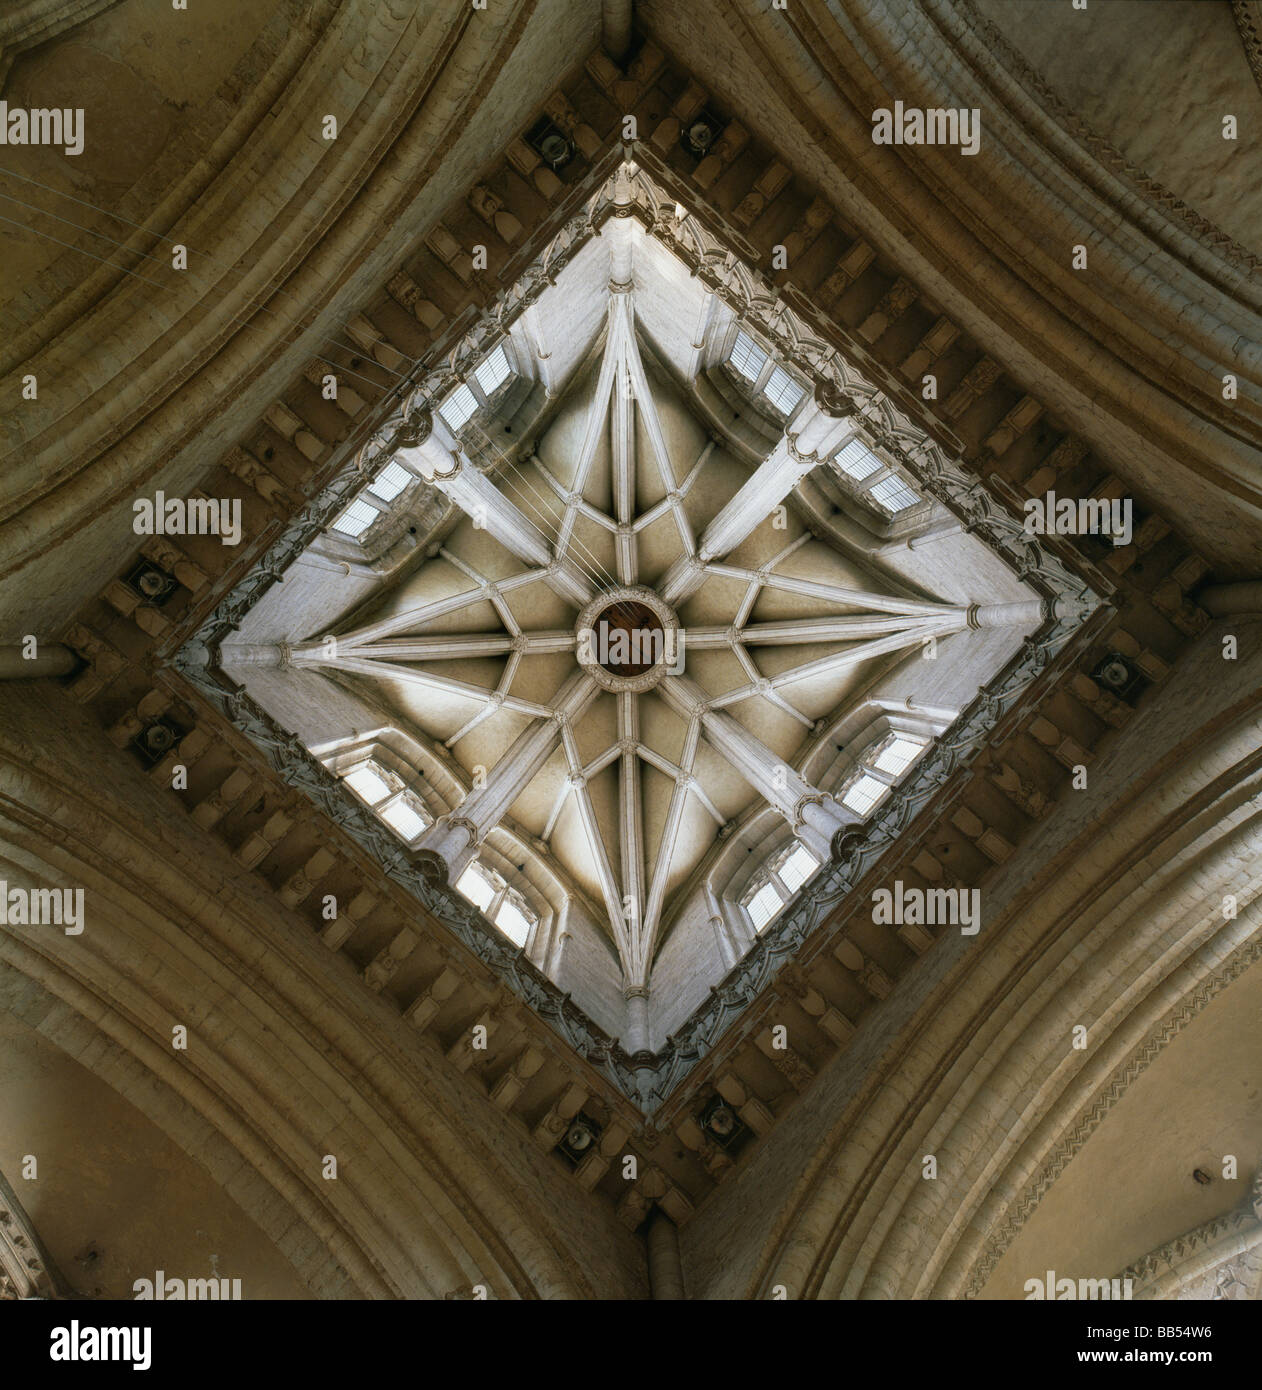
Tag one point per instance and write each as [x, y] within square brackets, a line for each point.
[645, 472]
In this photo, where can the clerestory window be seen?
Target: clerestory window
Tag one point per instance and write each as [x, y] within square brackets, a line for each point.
[373, 501]
[765, 378]
[385, 795]
[777, 883]
[494, 371]
[747, 357]
[458, 407]
[880, 770]
[893, 495]
[499, 903]
[461, 404]
[357, 518]
[783, 392]
[873, 480]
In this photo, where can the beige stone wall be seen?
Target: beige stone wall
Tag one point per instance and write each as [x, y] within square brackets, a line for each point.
[289, 1057]
[1156, 77]
[1109, 917]
[115, 1198]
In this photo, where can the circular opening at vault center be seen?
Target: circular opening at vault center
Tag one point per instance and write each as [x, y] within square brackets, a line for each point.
[628, 638]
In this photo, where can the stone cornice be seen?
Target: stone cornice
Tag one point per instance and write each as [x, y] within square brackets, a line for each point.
[26, 1271]
[39, 22]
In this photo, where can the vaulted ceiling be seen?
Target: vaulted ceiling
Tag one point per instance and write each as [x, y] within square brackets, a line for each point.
[351, 257]
[780, 625]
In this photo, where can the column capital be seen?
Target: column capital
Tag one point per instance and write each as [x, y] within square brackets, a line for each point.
[415, 430]
[832, 400]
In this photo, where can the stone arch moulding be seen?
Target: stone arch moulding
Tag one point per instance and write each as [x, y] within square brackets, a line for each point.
[39, 23]
[425, 1211]
[1153, 950]
[1125, 358]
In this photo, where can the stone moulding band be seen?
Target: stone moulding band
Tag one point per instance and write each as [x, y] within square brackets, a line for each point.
[706, 247]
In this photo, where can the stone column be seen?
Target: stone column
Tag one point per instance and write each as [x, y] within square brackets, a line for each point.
[814, 815]
[437, 457]
[458, 835]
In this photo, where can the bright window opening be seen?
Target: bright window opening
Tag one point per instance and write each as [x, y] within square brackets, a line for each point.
[368, 782]
[390, 482]
[494, 371]
[864, 793]
[763, 906]
[782, 391]
[475, 886]
[356, 519]
[898, 756]
[405, 818]
[893, 495]
[797, 868]
[403, 811]
[457, 409]
[508, 910]
[858, 461]
[513, 922]
[747, 357]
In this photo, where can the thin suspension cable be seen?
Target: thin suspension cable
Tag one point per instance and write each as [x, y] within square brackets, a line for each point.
[588, 563]
[254, 306]
[48, 236]
[507, 472]
[595, 567]
[609, 577]
[256, 303]
[511, 474]
[586, 569]
[594, 570]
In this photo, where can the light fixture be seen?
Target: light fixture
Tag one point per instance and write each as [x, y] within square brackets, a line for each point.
[157, 739]
[721, 1122]
[1113, 672]
[153, 585]
[551, 143]
[700, 135]
[555, 149]
[579, 1137]
[1119, 675]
